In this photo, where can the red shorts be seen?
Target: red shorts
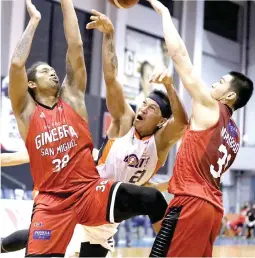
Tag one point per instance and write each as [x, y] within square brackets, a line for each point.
[54, 216]
[189, 229]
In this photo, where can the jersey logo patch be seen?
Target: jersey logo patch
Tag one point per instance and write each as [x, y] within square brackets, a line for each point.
[232, 129]
[42, 234]
[133, 161]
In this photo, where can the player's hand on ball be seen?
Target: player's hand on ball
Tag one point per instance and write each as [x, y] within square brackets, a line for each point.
[164, 77]
[100, 22]
[158, 7]
[33, 12]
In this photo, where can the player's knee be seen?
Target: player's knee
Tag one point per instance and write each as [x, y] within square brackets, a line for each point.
[14, 242]
[157, 204]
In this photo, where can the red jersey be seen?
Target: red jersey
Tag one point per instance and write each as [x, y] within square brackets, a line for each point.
[60, 150]
[203, 157]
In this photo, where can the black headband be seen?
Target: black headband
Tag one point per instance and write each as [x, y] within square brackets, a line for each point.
[164, 108]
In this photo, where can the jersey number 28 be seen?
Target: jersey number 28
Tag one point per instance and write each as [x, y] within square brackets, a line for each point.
[222, 162]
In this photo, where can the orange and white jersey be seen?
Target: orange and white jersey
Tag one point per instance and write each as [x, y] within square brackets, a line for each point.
[129, 159]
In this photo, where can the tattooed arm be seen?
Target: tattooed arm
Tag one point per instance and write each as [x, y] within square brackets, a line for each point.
[116, 103]
[18, 78]
[115, 100]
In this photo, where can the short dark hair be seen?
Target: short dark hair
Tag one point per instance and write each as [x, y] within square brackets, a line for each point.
[243, 86]
[31, 72]
[167, 111]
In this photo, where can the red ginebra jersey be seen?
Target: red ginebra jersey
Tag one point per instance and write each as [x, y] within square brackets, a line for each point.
[60, 149]
[203, 157]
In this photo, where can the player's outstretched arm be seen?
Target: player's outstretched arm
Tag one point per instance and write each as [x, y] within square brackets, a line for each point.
[19, 158]
[76, 77]
[14, 159]
[178, 53]
[18, 77]
[174, 128]
[116, 103]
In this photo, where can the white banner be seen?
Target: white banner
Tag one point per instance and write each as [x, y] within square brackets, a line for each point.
[15, 215]
[10, 136]
[143, 54]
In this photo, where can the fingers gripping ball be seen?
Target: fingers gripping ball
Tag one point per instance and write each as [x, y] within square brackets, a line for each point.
[123, 3]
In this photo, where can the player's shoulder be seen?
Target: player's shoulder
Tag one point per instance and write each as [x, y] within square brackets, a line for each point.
[204, 117]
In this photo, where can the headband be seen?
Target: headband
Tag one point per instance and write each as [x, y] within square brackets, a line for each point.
[164, 108]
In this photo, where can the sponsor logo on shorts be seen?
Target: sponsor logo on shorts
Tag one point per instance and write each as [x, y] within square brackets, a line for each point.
[42, 234]
[38, 224]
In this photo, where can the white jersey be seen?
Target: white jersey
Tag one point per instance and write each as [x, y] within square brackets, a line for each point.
[129, 159]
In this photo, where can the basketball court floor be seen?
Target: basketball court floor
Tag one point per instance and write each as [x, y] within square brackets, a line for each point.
[224, 247]
[219, 251]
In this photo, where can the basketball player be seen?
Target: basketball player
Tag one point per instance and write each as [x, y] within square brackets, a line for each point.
[152, 125]
[209, 147]
[137, 145]
[54, 125]
[150, 112]
[18, 240]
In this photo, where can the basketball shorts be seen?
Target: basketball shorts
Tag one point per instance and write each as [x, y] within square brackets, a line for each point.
[131, 200]
[189, 229]
[104, 201]
[55, 216]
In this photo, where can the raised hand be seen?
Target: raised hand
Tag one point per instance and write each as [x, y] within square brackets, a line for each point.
[100, 22]
[33, 12]
[164, 77]
[158, 7]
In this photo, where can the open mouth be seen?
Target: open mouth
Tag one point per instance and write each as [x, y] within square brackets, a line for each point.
[55, 79]
[139, 117]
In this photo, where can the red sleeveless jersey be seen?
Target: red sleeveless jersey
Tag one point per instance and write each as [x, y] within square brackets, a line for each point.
[203, 157]
[60, 150]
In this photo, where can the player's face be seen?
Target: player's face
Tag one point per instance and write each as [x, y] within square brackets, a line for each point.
[46, 78]
[221, 90]
[148, 117]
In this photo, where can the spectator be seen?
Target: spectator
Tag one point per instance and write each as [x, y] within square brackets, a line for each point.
[250, 219]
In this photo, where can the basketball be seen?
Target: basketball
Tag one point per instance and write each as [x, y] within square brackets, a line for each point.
[123, 3]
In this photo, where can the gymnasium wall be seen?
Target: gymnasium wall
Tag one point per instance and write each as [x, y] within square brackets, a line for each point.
[6, 9]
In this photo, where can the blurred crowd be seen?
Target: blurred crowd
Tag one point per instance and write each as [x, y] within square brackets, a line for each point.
[240, 225]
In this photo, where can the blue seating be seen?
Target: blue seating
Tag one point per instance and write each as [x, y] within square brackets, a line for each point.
[8, 194]
[28, 195]
[19, 194]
